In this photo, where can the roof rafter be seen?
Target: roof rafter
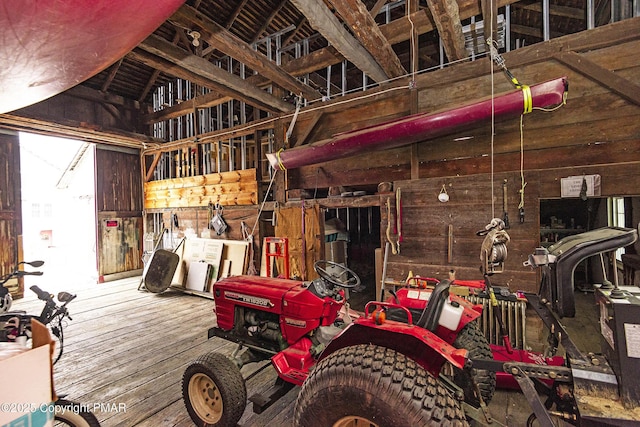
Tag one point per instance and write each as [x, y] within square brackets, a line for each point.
[364, 27]
[235, 14]
[326, 23]
[267, 21]
[446, 15]
[203, 72]
[396, 31]
[112, 74]
[626, 88]
[234, 47]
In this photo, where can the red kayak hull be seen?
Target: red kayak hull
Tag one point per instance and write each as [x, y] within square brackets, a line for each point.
[48, 46]
[418, 127]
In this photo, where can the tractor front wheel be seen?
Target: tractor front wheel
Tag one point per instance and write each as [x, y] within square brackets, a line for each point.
[374, 386]
[214, 391]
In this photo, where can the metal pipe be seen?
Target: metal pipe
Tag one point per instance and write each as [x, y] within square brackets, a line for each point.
[591, 23]
[507, 27]
[545, 20]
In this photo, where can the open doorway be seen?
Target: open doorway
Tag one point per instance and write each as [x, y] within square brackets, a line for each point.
[560, 218]
[58, 210]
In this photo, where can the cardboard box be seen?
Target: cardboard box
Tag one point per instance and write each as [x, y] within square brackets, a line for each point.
[26, 390]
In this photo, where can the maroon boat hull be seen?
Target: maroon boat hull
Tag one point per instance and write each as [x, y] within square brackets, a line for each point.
[48, 46]
[418, 127]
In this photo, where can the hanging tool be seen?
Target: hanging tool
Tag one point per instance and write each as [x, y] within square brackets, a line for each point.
[521, 204]
[217, 222]
[498, 314]
[248, 237]
[399, 217]
[384, 269]
[583, 189]
[450, 244]
[505, 214]
[303, 250]
[388, 233]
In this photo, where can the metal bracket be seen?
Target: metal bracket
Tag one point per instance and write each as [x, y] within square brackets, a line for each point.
[529, 390]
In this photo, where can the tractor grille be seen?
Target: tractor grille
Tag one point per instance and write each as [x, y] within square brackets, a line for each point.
[513, 317]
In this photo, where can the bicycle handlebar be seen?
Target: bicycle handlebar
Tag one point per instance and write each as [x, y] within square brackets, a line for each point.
[42, 295]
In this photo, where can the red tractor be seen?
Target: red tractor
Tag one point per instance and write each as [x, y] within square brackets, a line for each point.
[417, 359]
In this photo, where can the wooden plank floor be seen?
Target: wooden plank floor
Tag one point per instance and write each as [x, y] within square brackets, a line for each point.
[129, 349]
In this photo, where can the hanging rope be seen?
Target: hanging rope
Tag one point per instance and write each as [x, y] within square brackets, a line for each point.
[493, 120]
[523, 183]
[266, 194]
[394, 250]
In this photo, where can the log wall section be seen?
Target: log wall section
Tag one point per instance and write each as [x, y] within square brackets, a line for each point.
[187, 199]
[225, 188]
[596, 132]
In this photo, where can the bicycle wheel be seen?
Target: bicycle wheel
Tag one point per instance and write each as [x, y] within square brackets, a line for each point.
[68, 413]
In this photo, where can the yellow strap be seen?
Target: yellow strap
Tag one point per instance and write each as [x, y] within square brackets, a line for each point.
[280, 164]
[528, 101]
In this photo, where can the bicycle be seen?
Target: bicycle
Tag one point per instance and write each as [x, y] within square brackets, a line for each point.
[16, 325]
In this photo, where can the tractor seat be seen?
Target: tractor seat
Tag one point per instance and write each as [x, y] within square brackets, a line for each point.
[428, 317]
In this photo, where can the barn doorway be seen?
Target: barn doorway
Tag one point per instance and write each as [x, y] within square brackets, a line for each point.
[58, 210]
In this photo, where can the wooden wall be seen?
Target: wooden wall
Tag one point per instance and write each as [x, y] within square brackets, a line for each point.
[119, 211]
[10, 210]
[596, 132]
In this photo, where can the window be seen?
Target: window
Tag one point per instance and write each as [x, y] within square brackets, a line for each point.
[35, 210]
[616, 218]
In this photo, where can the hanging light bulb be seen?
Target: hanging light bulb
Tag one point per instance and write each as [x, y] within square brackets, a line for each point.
[443, 196]
[195, 35]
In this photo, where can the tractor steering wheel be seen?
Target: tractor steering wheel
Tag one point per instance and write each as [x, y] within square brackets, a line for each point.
[338, 276]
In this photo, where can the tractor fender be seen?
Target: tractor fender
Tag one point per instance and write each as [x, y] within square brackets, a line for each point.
[416, 343]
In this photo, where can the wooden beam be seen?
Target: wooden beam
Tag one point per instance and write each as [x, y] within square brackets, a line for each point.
[325, 22]
[376, 7]
[210, 99]
[302, 137]
[149, 85]
[534, 32]
[84, 92]
[607, 78]
[156, 73]
[446, 15]
[233, 46]
[555, 10]
[490, 18]
[213, 136]
[267, 21]
[112, 74]
[235, 14]
[116, 113]
[152, 167]
[355, 14]
[398, 30]
[293, 33]
[211, 76]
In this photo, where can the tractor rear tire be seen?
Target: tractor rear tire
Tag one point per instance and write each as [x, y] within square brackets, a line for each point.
[374, 386]
[473, 340]
[214, 391]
